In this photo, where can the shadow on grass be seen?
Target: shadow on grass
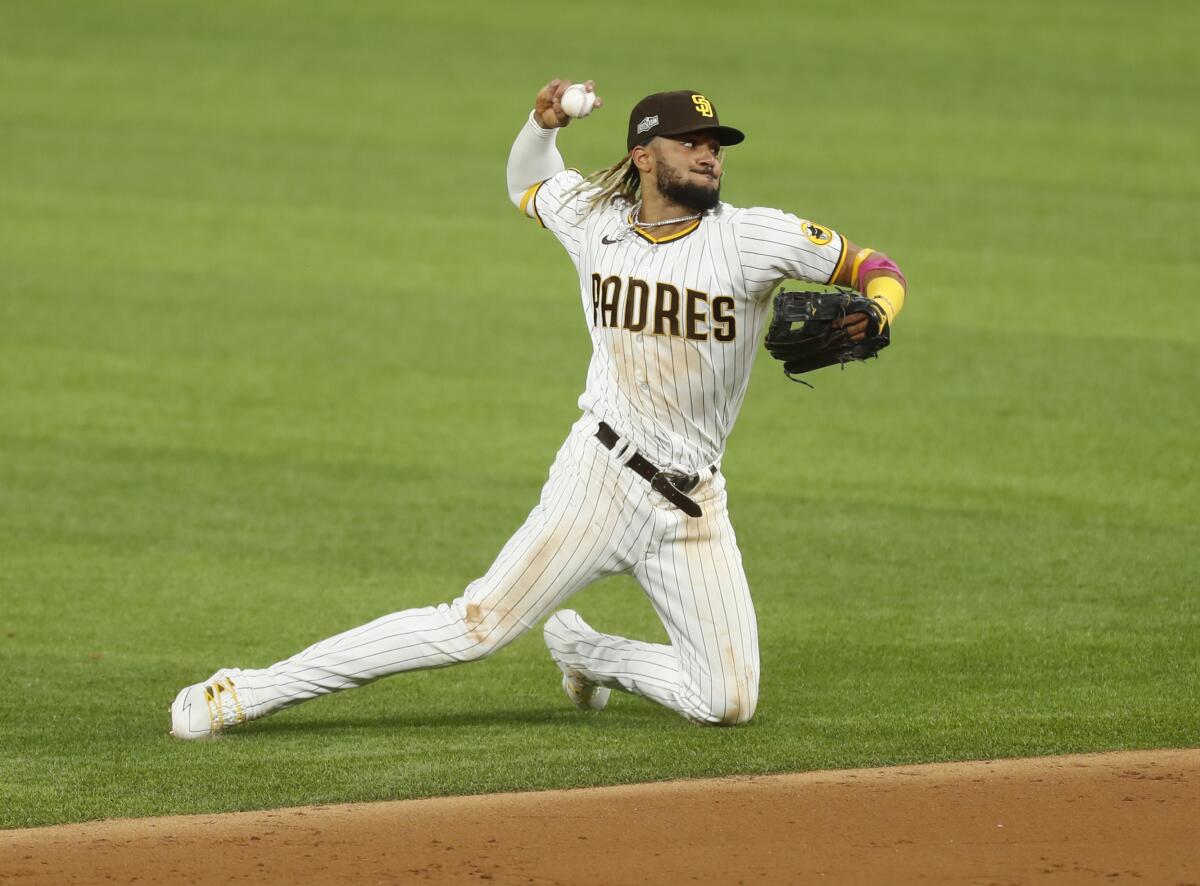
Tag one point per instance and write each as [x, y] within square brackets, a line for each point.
[424, 720]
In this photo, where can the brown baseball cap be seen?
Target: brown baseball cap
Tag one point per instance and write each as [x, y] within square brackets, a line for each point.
[675, 113]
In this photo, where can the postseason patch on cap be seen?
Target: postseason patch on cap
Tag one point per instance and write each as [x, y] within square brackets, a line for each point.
[647, 124]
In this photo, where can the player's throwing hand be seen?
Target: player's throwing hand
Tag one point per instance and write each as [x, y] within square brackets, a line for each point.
[547, 107]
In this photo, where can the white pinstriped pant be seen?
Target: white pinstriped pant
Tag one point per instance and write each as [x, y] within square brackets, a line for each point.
[595, 518]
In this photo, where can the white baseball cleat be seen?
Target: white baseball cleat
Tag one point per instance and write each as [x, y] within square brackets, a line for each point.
[205, 710]
[560, 631]
[584, 694]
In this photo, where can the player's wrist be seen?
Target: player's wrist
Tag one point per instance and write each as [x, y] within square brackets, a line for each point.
[541, 131]
[887, 295]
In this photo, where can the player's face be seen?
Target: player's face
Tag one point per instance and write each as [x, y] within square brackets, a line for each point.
[688, 170]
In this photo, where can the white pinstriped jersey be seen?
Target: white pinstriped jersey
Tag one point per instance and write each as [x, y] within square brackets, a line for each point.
[675, 322]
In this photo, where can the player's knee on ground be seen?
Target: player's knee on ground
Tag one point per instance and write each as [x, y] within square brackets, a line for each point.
[731, 703]
[735, 712]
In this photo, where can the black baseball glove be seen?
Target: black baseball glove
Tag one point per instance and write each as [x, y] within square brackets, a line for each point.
[802, 334]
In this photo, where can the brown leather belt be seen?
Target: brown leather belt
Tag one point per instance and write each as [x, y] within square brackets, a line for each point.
[673, 487]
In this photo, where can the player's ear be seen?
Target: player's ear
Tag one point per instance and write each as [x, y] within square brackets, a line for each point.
[641, 158]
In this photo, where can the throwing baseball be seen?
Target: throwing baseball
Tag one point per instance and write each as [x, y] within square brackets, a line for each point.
[675, 287]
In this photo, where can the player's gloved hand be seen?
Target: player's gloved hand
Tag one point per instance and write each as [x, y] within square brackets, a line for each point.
[547, 107]
[855, 325]
[810, 330]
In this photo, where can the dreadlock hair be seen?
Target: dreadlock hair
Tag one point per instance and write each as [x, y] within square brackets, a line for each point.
[621, 181]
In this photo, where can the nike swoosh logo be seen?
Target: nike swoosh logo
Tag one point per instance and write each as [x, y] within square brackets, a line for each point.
[608, 242]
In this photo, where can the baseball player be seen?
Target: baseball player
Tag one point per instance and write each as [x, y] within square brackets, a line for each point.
[675, 286]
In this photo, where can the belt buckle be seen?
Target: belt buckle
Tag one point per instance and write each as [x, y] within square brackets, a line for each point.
[685, 483]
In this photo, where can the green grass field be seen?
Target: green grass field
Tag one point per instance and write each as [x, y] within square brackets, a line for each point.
[277, 356]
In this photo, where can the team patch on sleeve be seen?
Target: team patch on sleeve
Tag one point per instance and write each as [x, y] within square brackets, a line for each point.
[817, 235]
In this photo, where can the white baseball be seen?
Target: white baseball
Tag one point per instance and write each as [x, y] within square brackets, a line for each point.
[576, 101]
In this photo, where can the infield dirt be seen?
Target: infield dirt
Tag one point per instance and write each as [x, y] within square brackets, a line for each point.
[1103, 817]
